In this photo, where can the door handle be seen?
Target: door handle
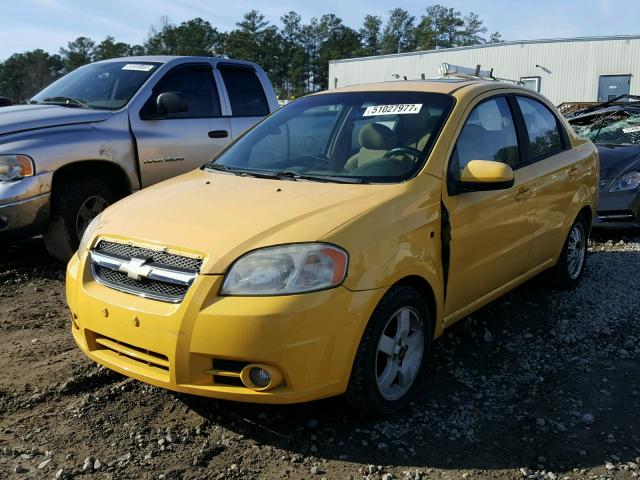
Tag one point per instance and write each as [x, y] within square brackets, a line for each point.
[524, 194]
[573, 171]
[218, 134]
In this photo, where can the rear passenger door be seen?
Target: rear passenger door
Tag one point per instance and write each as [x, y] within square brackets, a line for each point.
[247, 101]
[550, 157]
[490, 231]
[175, 143]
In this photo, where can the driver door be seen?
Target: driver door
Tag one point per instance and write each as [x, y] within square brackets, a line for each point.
[180, 142]
[490, 231]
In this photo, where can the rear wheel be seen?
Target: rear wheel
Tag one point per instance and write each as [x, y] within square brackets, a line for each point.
[570, 267]
[392, 350]
[73, 207]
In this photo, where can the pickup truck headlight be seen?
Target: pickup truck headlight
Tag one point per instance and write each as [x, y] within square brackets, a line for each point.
[13, 167]
[628, 181]
[287, 269]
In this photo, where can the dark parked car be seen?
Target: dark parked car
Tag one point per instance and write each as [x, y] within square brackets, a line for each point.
[615, 129]
[5, 102]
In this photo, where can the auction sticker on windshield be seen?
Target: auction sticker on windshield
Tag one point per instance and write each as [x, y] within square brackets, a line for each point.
[138, 67]
[399, 109]
[631, 129]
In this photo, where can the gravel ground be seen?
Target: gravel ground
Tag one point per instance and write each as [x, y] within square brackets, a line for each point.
[540, 384]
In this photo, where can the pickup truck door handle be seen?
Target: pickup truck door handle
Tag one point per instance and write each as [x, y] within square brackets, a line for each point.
[218, 134]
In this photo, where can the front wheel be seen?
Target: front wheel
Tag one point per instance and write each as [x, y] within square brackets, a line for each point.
[392, 350]
[74, 205]
[570, 267]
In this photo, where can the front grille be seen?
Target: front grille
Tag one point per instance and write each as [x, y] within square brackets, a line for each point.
[145, 272]
[157, 256]
[142, 287]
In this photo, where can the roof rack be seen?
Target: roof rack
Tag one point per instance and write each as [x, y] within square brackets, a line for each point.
[448, 70]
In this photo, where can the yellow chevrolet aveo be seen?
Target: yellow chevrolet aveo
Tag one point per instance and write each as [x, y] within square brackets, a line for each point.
[323, 251]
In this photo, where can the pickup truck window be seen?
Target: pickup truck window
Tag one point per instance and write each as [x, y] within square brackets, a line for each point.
[245, 92]
[107, 86]
[196, 85]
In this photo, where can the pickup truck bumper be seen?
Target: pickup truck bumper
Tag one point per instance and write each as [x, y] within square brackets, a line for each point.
[24, 207]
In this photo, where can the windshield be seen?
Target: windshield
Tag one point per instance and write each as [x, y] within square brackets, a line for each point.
[611, 128]
[107, 86]
[362, 136]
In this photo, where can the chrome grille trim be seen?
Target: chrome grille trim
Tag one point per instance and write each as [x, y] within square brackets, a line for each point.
[143, 275]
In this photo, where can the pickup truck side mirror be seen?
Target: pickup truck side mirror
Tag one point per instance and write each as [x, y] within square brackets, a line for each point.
[484, 175]
[170, 102]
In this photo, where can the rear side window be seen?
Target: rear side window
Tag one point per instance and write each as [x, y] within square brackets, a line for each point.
[196, 85]
[488, 134]
[245, 92]
[542, 128]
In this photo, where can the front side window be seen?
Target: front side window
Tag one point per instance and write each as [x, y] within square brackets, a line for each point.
[106, 86]
[197, 87]
[488, 134]
[363, 137]
[245, 92]
[542, 128]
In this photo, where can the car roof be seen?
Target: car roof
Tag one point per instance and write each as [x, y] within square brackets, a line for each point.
[445, 85]
[173, 58]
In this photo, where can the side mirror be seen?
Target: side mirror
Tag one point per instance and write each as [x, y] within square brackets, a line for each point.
[170, 102]
[484, 175]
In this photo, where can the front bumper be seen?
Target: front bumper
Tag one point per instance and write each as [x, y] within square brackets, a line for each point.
[24, 207]
[618, 210]
[311, 339]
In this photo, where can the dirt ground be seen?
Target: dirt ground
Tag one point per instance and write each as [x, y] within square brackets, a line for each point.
[539, 384]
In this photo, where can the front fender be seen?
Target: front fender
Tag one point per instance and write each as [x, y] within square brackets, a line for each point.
[54, 147]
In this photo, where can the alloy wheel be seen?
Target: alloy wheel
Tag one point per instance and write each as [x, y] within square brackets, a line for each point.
[399, 354]
[576, 250]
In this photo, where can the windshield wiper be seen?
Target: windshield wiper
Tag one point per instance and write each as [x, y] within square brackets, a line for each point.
[317, 178]
[220, 167]
[66, 101]
[236, 171]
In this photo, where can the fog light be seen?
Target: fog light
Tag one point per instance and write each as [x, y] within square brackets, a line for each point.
[259, 377]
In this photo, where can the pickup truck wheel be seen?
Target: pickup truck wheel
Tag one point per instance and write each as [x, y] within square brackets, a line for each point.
[73, 207]
[392, 350]
[570, 267]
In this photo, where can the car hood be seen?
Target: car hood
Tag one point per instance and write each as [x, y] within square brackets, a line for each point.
[222, 216]
[19, 118]
[616, 160]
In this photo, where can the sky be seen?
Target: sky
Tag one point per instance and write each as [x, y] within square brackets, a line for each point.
[50, 24]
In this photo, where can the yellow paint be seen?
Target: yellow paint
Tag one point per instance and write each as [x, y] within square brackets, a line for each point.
[392, 233]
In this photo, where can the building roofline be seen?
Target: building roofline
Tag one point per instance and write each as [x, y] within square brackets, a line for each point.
[492, 45]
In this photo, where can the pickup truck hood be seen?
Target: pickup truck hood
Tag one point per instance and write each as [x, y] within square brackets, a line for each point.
[29, 117]
[222, 216]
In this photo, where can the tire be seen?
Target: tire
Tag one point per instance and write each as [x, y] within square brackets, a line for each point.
[376, 386]
[73, 205]
[571, 265]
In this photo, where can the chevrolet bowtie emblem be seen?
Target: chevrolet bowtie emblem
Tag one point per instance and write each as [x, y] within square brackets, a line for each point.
[136, 268]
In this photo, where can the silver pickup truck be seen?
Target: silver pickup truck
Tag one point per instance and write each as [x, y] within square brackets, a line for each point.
[110, 128]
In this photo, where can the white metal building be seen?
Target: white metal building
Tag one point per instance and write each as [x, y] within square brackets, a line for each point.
[584, 69]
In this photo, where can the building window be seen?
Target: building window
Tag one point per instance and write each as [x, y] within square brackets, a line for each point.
[532, 83]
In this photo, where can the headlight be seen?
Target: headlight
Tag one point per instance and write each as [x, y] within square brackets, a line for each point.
[287, 269]
[88, 234]
[628, 181]
[13, 167]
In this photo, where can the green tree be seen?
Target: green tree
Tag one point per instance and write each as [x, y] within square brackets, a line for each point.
[78, 52]
[293, 56]
[193, 37]
[473, 31]
[109, 48]
[336, 41]
[399, 32]
[370, 32]
[495, 37]
[24, 74]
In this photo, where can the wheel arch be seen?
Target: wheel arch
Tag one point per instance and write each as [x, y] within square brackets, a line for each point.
[101, 169]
